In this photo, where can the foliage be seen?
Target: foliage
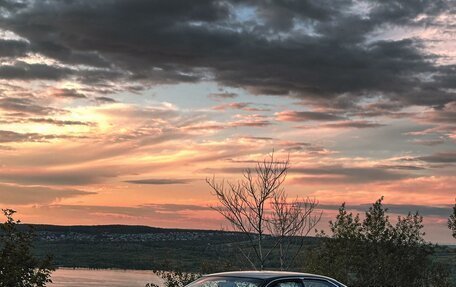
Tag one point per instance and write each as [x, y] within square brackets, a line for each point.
[175, 278]
[257, 206]
[18, 266]
[374, 252]
[452, 221]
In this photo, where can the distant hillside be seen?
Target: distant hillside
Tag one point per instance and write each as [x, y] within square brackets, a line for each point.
[141, 247]
[152, 248]
[115, 228]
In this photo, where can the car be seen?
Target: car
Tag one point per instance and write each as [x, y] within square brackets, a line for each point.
[265, 279]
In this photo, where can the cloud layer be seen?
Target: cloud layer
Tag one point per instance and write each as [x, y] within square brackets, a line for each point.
[120, 108]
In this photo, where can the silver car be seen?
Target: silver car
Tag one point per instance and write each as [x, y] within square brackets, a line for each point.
[264, 279]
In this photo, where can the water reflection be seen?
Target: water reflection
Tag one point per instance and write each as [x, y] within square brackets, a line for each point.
[65, 277]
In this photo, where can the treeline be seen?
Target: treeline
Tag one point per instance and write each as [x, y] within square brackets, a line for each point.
[115, 229]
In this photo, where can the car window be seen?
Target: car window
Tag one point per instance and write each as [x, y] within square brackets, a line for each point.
[288, 283]
[225, 282]
[316, 283]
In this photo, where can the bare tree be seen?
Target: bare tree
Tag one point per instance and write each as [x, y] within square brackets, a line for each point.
[290, 223]
[257, 206]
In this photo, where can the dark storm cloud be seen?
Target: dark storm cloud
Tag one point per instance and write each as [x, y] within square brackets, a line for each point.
[13, 48]
[160, 181]
[307, 49]
[24, 71]
[11, 5]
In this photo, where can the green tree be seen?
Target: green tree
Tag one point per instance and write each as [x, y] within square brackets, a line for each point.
[374, 252]
[452, 221]
[18, 266]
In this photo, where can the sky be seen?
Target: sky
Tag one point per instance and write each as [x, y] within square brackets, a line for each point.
[117, 111]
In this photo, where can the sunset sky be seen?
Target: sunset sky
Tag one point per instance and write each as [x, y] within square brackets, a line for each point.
[117, 111]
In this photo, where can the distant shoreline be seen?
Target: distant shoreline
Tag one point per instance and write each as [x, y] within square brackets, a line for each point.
[99, 269]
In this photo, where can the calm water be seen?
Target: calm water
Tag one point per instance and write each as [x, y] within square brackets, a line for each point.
[102, 278]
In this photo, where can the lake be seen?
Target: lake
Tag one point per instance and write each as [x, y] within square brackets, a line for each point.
[66, 277]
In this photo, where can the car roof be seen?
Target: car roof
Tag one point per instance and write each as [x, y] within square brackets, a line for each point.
[266, 275]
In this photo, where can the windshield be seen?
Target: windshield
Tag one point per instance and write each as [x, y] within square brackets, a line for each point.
[225, 282]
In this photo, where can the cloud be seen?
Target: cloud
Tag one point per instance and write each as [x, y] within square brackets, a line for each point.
[160, 181]
[25, 105]
[224, 95]
[170, 207]
[59, 122]
[361, 75]
[441, 115]
[353, 124]
[13, 48]
[239, 106]
[428, 142]
[333, 174]
[105, 100]
[23, 195]
[252, 120]
[113, 212]
[10, 137]
[440, 157]
[400, 167]
[402, 209]
[296, 116]
[24, 71]
[68, 93]
[7, 148]
[169, 215]
[55, 177]
[320, 50]
[347, 175]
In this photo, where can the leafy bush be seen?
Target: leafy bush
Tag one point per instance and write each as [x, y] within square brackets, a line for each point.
[175, 278]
